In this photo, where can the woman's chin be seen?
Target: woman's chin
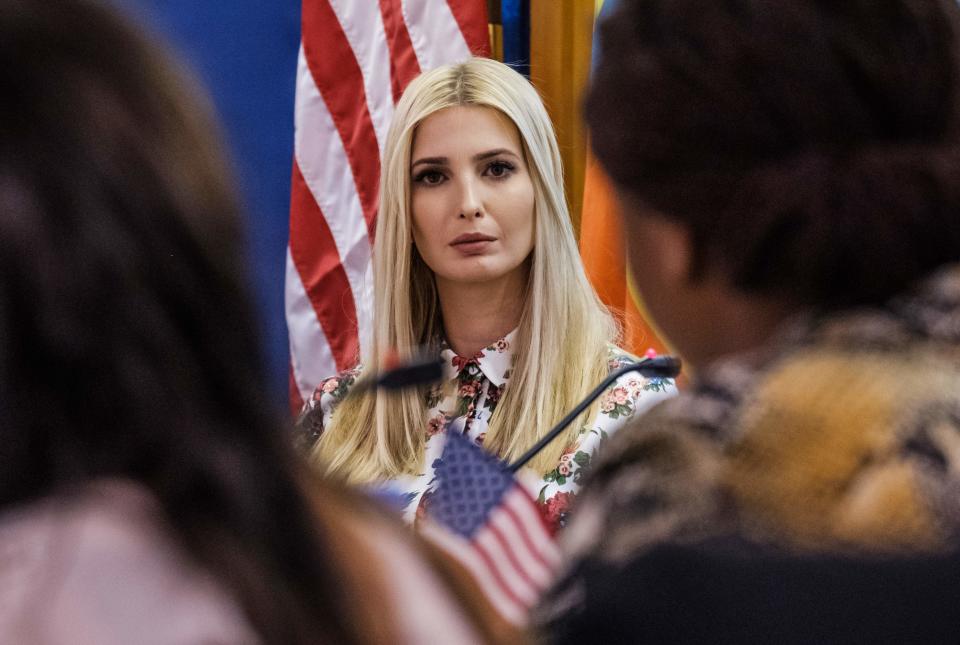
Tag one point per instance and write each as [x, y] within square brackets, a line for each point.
[467, 278]
[483, 269]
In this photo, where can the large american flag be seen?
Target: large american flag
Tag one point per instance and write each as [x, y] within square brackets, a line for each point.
[356, 57]
[481, 516]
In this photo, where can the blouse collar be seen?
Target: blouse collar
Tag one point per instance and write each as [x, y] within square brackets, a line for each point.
[495, 360]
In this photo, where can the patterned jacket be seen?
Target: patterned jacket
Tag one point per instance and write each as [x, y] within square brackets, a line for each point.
[842, 435]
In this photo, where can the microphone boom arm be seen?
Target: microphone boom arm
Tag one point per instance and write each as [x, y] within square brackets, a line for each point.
[662, 366]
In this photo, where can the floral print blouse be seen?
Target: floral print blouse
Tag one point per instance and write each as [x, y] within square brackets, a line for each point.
[480, 381]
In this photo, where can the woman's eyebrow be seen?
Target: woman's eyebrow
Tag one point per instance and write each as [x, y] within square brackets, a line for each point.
[493, 153]
[480, 156]
[433, 161]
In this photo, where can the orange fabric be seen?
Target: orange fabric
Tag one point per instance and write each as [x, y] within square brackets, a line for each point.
[604, 258]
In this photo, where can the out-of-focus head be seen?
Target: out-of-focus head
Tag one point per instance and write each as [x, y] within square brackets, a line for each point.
[803, 151]
[128, 344]
[125, 327]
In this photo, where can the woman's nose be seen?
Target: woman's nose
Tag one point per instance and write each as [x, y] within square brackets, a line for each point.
[470, 203]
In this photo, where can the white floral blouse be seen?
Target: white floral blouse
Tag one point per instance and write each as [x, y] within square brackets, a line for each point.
[480, 381]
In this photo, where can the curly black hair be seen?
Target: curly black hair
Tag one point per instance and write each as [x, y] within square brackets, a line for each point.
[811, 148]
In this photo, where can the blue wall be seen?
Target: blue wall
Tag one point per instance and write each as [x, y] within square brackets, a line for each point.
[245, 52]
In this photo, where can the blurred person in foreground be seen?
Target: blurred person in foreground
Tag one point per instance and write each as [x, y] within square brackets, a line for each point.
[789, 174]
[147, 492]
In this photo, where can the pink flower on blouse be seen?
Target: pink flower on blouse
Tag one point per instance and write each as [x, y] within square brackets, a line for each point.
[330, 385]
[565, 466]
[620, 395]
[467, 390]
[607, 403]
[503, 345]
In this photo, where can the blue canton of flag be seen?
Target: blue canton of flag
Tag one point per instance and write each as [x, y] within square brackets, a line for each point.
[471, 483]
[481, 516]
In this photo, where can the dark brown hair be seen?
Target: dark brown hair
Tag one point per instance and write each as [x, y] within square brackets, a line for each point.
[127, 335]
[810, 147]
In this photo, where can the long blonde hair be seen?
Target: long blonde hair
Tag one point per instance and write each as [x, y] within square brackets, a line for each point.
[562, 345]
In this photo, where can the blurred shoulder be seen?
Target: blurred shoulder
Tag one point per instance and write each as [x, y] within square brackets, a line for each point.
[101, 565]
[411, 591]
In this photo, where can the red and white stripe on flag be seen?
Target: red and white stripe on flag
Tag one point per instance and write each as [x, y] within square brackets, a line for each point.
[513, 558]
[356, 56]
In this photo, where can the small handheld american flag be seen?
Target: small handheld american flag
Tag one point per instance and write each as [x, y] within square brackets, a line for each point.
[480, 515]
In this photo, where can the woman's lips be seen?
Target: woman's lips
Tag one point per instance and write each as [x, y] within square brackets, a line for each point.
[472, 243]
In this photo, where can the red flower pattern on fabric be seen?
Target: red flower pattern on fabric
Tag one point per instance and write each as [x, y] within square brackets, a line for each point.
[459, 362]
[555, 509]
[435, 425]
[467, 390]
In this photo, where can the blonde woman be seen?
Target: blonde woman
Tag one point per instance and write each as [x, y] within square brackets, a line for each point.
[475, 258]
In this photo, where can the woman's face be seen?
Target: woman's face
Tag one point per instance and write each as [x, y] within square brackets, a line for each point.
[472, 197]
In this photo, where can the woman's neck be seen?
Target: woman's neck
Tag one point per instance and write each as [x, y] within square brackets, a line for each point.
[477, 315]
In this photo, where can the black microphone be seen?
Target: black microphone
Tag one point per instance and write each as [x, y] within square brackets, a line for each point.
[660, 366]
[420, 371]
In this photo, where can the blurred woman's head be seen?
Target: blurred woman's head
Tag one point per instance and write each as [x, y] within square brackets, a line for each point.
[127, 336]
[425, 204]
[801, 152]
[122, 299]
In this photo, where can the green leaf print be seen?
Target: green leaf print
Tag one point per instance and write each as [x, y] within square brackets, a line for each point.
[658, 384]
[620, 410]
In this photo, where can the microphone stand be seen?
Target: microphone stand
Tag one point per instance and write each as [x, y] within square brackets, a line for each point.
[421, 371]
[662, 366]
